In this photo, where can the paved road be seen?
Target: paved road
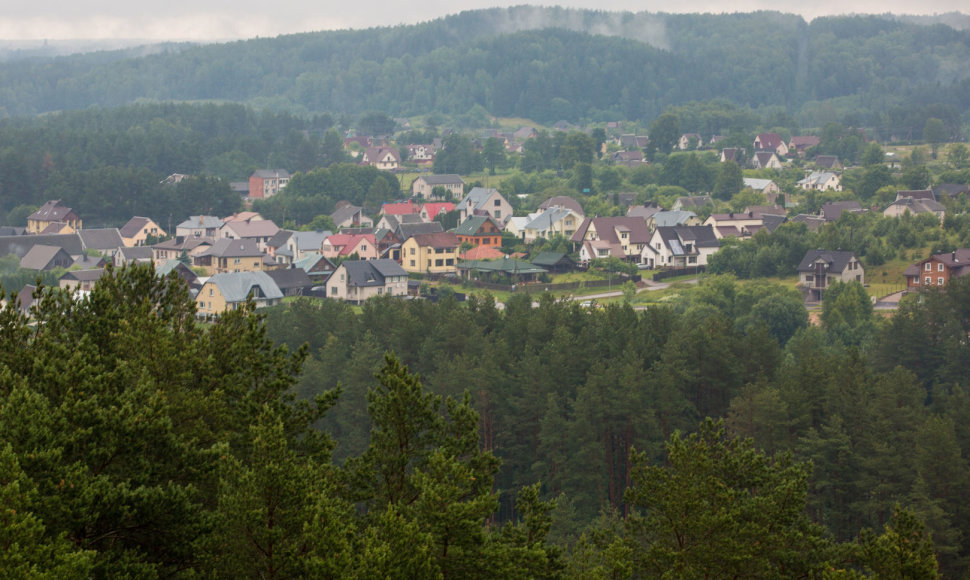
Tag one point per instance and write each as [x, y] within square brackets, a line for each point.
[650, 286]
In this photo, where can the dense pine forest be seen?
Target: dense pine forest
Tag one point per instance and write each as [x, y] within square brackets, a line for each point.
[440, 440]
[545, 64]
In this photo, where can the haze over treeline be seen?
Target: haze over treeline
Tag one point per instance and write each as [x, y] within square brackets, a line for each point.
[545, 64]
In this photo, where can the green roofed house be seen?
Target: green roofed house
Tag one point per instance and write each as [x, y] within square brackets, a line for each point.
[554, 262]
[515, 271]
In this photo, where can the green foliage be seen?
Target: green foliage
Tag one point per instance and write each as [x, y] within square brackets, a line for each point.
[720, 508]
[847, 312]
[903, 550]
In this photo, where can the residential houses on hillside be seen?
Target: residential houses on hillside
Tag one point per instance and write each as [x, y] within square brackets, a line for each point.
[819, 269]
[937, 270]
[51, 214]
[484, 201]
[680, 247]
[431, 253]
[140, 229]
[622, 237]
[424, 186]
[265, 183]
[357, 280]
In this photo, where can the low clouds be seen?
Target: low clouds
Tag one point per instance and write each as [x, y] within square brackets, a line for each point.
[214, 20]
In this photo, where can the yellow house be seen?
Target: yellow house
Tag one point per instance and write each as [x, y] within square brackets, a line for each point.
[137, 230]
[224, 292]
[431, 253]
[230, 256]
[49, 213]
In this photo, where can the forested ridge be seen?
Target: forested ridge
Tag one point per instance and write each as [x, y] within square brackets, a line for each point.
[540, 63]
[540, 441]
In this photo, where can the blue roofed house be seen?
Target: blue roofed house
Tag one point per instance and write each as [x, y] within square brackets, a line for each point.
[228, 291]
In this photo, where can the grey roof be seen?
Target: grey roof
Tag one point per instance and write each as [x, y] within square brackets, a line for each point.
[12, 231]
[837, 260]
[271, 173]
[756, 184]
[699, 236]
[40, 257]
[101, 239]
[544, 221]
[52, 211]
[134, 226]
[693, 201]
[363, 273]
[672, 217]
[237, 286]
[280, 238]
[201, 222]
[813, 223]
[226, 248]
[475, 198]
[342, 214]
[563, 201]
[832, 210]
[817, 178]
[308, 262]
[307, 240]
[443, 179]
[136, 253]
[168, 265]
[89, 262]
[84, 275]
[772, 221]
[290, 278]
[405, 231]
[472, 224]
[20, 245]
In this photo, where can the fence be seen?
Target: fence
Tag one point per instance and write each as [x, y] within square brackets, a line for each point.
[541, 287]
[674, 272]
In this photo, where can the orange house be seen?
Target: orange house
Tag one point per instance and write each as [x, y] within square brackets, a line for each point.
[479, 230]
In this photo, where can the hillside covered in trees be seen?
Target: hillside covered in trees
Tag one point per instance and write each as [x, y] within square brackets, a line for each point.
[534, 442]
[544, 64]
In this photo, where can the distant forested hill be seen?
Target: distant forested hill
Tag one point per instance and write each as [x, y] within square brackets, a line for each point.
[542, 63]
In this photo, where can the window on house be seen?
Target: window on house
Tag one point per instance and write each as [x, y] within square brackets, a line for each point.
[939, 281]
[692, 260]
[380, 290]
[498, 202]
[450, 262]
[939, 267]
[412, 253]
[439, 262]
[210, 292]
[928, 267]
[412, 263]
[809, 278]
[487, 241]
[333, 290]
[929, 281]
[237, 260]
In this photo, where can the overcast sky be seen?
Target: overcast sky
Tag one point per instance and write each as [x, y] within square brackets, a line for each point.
[232, 19]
